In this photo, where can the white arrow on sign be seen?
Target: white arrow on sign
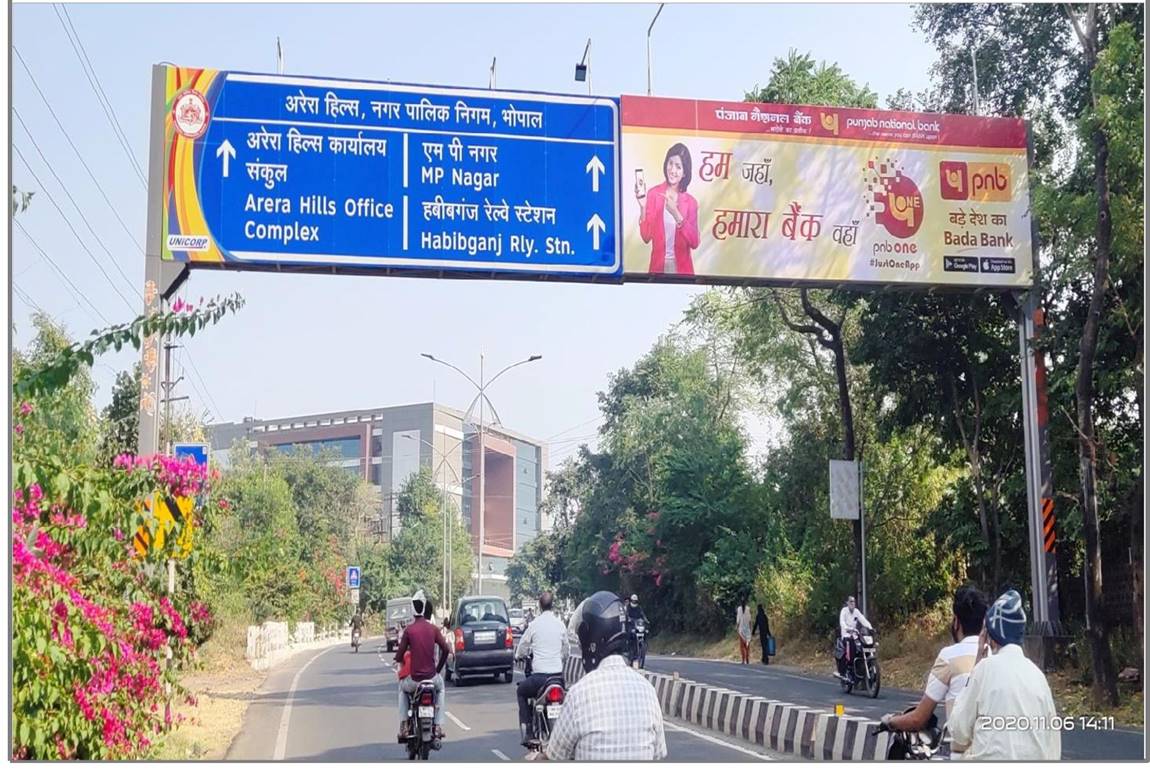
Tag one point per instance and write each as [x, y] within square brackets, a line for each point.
[228, 152]
[596, 168]
[596, 226]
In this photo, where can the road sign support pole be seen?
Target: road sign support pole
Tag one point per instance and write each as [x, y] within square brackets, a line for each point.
[862, 544]
[161, 278]
[482, 476]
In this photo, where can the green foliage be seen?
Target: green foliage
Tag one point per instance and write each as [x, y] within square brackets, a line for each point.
[797, 80]
[92, 622]
[121, 417]
[416, 554]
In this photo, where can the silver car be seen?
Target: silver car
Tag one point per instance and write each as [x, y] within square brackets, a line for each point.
[518, 621]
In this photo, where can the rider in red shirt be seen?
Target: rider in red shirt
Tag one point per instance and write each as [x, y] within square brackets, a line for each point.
[418, 643]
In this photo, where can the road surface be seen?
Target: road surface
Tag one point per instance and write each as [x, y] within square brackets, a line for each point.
[785, 684]
[337, 705]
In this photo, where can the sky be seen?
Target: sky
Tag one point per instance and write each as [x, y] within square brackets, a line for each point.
[308, 344]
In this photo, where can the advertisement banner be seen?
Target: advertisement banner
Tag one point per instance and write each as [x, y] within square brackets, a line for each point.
[735, 192]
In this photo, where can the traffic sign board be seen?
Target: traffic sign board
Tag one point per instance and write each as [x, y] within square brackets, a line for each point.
[197, 451]
[352, 577]
[270, 171]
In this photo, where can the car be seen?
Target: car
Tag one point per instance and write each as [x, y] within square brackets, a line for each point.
[483, 640]
[518, 620]
[399, 615]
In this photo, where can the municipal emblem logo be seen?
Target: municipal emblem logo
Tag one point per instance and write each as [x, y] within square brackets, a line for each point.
[190, 114]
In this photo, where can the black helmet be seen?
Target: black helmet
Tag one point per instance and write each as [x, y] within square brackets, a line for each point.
[600, 622]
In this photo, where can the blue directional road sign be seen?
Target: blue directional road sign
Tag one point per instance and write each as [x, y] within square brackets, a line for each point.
[353, 577]
[308, 173]
[197, 451]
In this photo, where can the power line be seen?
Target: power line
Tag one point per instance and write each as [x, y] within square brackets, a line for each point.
[72, 228]
[77, 294]
[93, 80]
[80, 156]
[79, 211]
[26, 298]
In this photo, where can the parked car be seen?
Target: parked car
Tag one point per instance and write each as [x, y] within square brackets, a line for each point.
[483, 641]
[399, 615]
[518, 620]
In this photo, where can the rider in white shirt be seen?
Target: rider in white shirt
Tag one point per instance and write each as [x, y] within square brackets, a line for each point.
[849, 619]
[547, 644]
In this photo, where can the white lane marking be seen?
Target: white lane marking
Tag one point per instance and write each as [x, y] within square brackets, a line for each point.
[285, 718]
[457, 722]
[500, 755]
[719, 742]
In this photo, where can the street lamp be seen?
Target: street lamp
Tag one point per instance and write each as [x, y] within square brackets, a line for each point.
[649, 46]
[583, 69]
[481, 386]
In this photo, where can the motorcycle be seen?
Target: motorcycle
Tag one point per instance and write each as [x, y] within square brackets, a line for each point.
[922, 745]
[355, 640]
[863, 670]
[421, 740]
[545, 708]
[639, 643]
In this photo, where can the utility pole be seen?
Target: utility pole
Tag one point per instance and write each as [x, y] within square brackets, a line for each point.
[482, 475]
[168, 385]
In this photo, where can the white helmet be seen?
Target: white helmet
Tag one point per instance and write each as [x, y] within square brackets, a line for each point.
[419, 603]
[634, 599]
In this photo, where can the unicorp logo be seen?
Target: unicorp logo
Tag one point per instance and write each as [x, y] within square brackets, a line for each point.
[893, 198]
[191, 244]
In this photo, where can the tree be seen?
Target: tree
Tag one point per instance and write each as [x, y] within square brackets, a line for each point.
[416, 553]
[1079, 76]
[121, 417]
[797, 80]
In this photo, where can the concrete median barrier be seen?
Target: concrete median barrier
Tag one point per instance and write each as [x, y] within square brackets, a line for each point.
[773, 725]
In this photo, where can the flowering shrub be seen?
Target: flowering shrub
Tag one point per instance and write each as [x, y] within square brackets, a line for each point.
[97, 642]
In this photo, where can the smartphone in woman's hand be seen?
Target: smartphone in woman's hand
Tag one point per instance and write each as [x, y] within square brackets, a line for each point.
[640, 185]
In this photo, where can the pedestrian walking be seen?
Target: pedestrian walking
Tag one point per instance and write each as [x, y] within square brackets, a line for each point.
[743, 626]
[763, 628]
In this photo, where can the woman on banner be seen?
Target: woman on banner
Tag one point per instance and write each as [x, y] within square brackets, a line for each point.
[669, 216]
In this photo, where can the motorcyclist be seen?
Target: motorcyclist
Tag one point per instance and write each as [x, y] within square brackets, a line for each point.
[547, 644]
[634, 614]
[612, 713]
[421, 637]
[849, 619]
[951, 669]
[356, 625]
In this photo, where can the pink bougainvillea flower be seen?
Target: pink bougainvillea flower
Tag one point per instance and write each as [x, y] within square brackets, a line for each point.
[25, 408]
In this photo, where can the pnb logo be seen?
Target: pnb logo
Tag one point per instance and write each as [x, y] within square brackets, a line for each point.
[189, 244]
[959, 181]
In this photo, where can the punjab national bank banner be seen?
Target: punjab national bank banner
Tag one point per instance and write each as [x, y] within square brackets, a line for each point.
[736, 191]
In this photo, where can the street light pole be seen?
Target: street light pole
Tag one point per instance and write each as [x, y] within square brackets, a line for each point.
[482, 386]
[649, 46]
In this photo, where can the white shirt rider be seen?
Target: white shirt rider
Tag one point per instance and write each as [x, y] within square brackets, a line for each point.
[547, 642]
[849, 618]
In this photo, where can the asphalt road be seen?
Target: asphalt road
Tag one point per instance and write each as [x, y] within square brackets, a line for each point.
[337, 705]
[784, 684]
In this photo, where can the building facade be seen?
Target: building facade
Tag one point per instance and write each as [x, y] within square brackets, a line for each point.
[386, 446]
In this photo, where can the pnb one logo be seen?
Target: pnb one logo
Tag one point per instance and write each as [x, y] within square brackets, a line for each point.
[893, 199]
[189, 244]
[960, 181]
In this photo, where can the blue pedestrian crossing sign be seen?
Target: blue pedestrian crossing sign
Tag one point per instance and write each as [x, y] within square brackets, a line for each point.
[353, 577]
[197, 451]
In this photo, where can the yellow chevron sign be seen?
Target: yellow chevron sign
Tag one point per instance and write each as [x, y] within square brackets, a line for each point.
[151, 541]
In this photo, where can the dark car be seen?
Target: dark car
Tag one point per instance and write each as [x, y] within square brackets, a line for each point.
[398, 617]
[483, 640]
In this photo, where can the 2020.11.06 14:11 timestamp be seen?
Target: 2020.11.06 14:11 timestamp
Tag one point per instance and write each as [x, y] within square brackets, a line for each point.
[1045, 723]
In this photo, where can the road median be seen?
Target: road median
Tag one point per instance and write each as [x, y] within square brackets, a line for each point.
[777, 726]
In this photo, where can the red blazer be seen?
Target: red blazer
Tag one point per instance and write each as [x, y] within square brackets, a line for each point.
[686, 235]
